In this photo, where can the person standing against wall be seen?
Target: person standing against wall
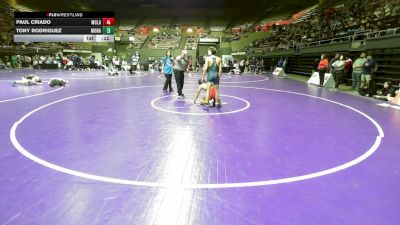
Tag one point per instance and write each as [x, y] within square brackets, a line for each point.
[338, 71]
[348, 67]
[369, 68]
[357, 72]
[242, 65]
[134, 63]
[252, 65]
[323, 67]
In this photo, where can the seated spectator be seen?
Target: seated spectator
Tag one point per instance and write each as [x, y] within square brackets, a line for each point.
[69, 65]
[235, 68]
[387, 92]
[395, 100]
[252, 65]
[367, 90]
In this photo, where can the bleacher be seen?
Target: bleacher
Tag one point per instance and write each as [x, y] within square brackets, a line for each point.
[70, 45]
[388, 61]
[6, 20]
[191, 43]
[159, 21]
[328, 23]
[217, 28]
[218, 24]
[164, 41]
[138, 41]
[302, 65]
[189, 21]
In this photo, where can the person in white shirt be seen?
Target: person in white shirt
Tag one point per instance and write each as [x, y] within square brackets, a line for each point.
[116, 63]
[236, 69]
[124, 65]
[338, 71]
[242, 65]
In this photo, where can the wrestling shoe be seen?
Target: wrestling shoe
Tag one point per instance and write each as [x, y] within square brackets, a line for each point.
[218, 104]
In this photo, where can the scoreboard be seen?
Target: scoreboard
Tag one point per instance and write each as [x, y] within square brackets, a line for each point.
[64, 26]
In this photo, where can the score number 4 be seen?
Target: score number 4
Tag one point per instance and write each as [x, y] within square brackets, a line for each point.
[108, 21]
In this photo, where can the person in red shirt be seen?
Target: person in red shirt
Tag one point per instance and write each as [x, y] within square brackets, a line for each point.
[323, 66]
[203, 87]
[348, 67]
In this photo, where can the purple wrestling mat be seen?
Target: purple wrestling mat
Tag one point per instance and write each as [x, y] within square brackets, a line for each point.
[118, 150]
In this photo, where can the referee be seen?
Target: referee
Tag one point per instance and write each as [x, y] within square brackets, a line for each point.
[180, 66]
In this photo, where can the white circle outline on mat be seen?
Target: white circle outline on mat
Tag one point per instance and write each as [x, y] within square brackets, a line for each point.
[196, 76]
[104, 76]
[52, 166]
[203, 113]
[30, 96]
[87, 75]
[233, 82]
[91, 77]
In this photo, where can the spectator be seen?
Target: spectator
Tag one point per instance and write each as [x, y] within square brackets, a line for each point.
[322, 69]
[247, 65]
[134, 62]
[14, 62]
[357, 72]
[395, 100]
[333, 60]
[340, 21]
[285, 61]
[230, 64]
[260, 66]
[369, 68]
[348, 67]
[280, 62]
[338, 71]
[242, 65]
[387, 92]
[367, 90]
[252, 65]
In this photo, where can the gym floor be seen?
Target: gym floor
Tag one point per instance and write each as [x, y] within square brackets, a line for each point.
[118, 150]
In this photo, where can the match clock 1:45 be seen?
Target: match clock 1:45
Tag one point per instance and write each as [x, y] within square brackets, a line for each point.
[108, 30]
